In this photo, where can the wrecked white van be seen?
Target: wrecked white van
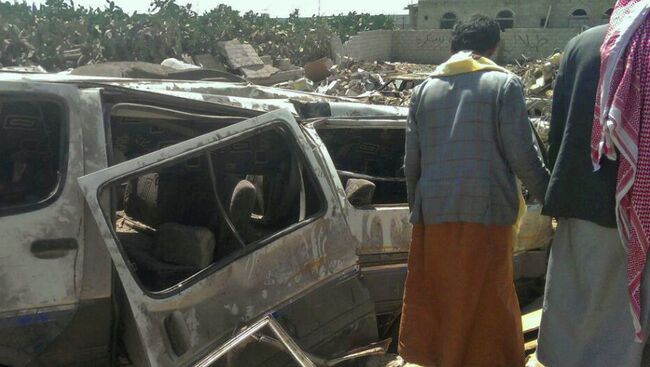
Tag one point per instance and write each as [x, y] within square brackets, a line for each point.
[168, 223]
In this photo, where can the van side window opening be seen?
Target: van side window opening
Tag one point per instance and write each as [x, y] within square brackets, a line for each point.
[367, 158]
[31, 152]
[208, 210]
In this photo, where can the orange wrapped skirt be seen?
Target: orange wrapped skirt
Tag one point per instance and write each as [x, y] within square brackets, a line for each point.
[460, 306]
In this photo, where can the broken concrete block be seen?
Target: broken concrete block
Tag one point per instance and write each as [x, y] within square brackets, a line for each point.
[283, 76]
[208, 61]
[268, 59]
[239, 55]
[258, 72]
[279, 77]
[285, 65]
[302, 84]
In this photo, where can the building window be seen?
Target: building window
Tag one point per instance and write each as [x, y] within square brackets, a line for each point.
[579, 18]
[608, 13]
[448, 21]
[426, 17]
[506, 19]
[579, 13]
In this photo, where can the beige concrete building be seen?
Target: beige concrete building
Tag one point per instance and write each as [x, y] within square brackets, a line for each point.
[576, 14]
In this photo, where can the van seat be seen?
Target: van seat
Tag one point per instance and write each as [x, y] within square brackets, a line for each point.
[184, 245]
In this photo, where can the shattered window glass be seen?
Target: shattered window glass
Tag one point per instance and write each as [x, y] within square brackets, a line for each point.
[31, 152]
[369, 162]
[206, 210]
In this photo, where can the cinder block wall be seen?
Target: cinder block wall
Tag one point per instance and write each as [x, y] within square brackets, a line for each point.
[433, 46]
[422, 47]
[367, 46]
[533, 43]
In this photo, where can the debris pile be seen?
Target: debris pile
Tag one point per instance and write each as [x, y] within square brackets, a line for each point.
[538, 76]
[387, 83]
[384, 83]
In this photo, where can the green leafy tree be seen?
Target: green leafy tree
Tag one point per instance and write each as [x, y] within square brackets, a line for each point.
[59, 33]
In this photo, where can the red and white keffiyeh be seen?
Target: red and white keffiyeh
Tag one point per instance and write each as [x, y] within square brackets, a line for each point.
[622, 123]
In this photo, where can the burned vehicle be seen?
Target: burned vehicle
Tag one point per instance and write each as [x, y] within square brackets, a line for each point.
[181, 223]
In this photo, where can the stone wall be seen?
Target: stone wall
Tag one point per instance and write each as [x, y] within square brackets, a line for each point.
[433, 46]
[422, 47]
[368, 46]
[527, 14]
[532, 43]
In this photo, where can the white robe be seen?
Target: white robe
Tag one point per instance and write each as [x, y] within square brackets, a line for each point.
[586, 319]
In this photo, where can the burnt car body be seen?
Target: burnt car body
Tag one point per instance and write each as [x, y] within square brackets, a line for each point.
[179, 213]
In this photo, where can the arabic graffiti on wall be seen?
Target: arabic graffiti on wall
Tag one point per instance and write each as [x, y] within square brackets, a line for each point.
[527, 44]
[433, 39]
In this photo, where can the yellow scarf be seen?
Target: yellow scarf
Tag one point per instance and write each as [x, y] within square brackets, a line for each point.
[465, 62]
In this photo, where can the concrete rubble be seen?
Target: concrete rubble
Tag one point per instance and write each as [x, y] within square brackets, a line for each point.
[538, 75]
[392, 83]
[207, 61]
[243, 59]
[386, 83]
[369, 82]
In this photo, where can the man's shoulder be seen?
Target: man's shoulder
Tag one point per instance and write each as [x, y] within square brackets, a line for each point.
[500, 80]
[483, 82]
[589, 38]
[490, 77]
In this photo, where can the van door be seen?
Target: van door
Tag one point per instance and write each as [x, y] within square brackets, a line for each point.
[367, 155]
[41, 213]
[221, 230]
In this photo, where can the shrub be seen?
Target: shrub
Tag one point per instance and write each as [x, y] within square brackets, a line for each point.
[46, 34]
